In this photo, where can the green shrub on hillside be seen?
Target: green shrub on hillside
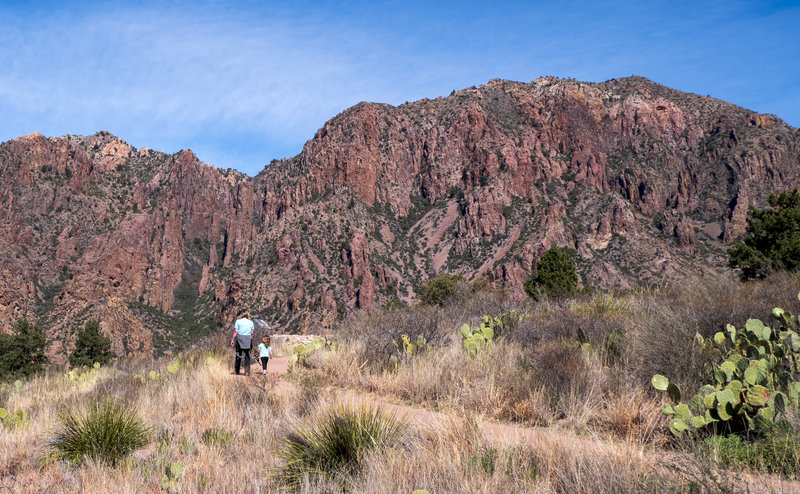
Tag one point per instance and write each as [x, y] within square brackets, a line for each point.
[91, 347]
[22, 352]
[555, 274]
[772, 240]
[437, 290]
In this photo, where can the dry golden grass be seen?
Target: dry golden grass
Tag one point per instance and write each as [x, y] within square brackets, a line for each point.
[442, 455]
[562, 386]
[180, 408]
[453, 456]
[536, 373]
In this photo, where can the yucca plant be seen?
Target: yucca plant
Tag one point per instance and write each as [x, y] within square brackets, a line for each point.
[334, 443]
[108, 431]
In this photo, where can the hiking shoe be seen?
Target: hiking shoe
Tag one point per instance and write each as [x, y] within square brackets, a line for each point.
[264, 372]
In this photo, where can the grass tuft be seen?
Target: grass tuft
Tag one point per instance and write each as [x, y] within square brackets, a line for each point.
[334, 443]
[776, 454]
[108, 432]
[217, 437]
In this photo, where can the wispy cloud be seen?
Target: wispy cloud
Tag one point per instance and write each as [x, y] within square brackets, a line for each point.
[242, 83]
[154, 72]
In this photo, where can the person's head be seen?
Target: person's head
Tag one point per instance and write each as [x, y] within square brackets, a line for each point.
[244, 315]
[265, 340]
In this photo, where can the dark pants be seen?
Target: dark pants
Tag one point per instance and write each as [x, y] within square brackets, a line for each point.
[239, 353]
[264, 361]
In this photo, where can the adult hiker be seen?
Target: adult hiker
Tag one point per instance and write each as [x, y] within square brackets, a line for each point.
[242, 341]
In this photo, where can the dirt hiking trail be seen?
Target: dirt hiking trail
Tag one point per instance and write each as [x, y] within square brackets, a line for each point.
[503, 434]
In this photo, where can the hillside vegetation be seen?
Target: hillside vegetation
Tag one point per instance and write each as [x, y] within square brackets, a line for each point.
[578, 370]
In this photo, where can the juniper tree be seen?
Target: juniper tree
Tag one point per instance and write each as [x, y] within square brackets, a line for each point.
[772, 239]
[91, 346]
[22, 352]
[555, 274]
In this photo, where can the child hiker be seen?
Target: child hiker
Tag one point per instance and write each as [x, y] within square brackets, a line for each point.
[264, 352]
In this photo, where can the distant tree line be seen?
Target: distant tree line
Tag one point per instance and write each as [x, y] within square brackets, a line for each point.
[23, 352]
[555, 276]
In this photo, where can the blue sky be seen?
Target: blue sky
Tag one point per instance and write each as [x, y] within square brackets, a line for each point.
[242, 83]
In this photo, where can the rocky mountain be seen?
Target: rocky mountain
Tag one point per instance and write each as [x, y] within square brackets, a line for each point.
[643, 182]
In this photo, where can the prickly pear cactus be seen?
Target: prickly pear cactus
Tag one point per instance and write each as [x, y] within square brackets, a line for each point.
[753, 385]
[406, 348]
[301, 353]
[174, 367]
[507, 322]
[84, 375]
[13, 421]
[480, 339]
[172, 473]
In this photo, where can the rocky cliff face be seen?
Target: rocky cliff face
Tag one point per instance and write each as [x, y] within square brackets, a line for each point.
[644, 183]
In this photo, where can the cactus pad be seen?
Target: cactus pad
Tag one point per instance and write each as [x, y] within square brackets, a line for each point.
[660, 382]
[678, 426]
[674, 393]
[757, 396]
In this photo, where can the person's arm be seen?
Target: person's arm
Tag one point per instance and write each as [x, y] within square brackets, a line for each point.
[235, 332]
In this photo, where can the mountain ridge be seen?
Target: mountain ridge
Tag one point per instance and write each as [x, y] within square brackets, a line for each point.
[644, 183]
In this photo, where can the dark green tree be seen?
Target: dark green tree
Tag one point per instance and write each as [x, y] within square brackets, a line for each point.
[22, 352]
[91, 346]
[442, 287]
[555, 274]
[772, 239]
